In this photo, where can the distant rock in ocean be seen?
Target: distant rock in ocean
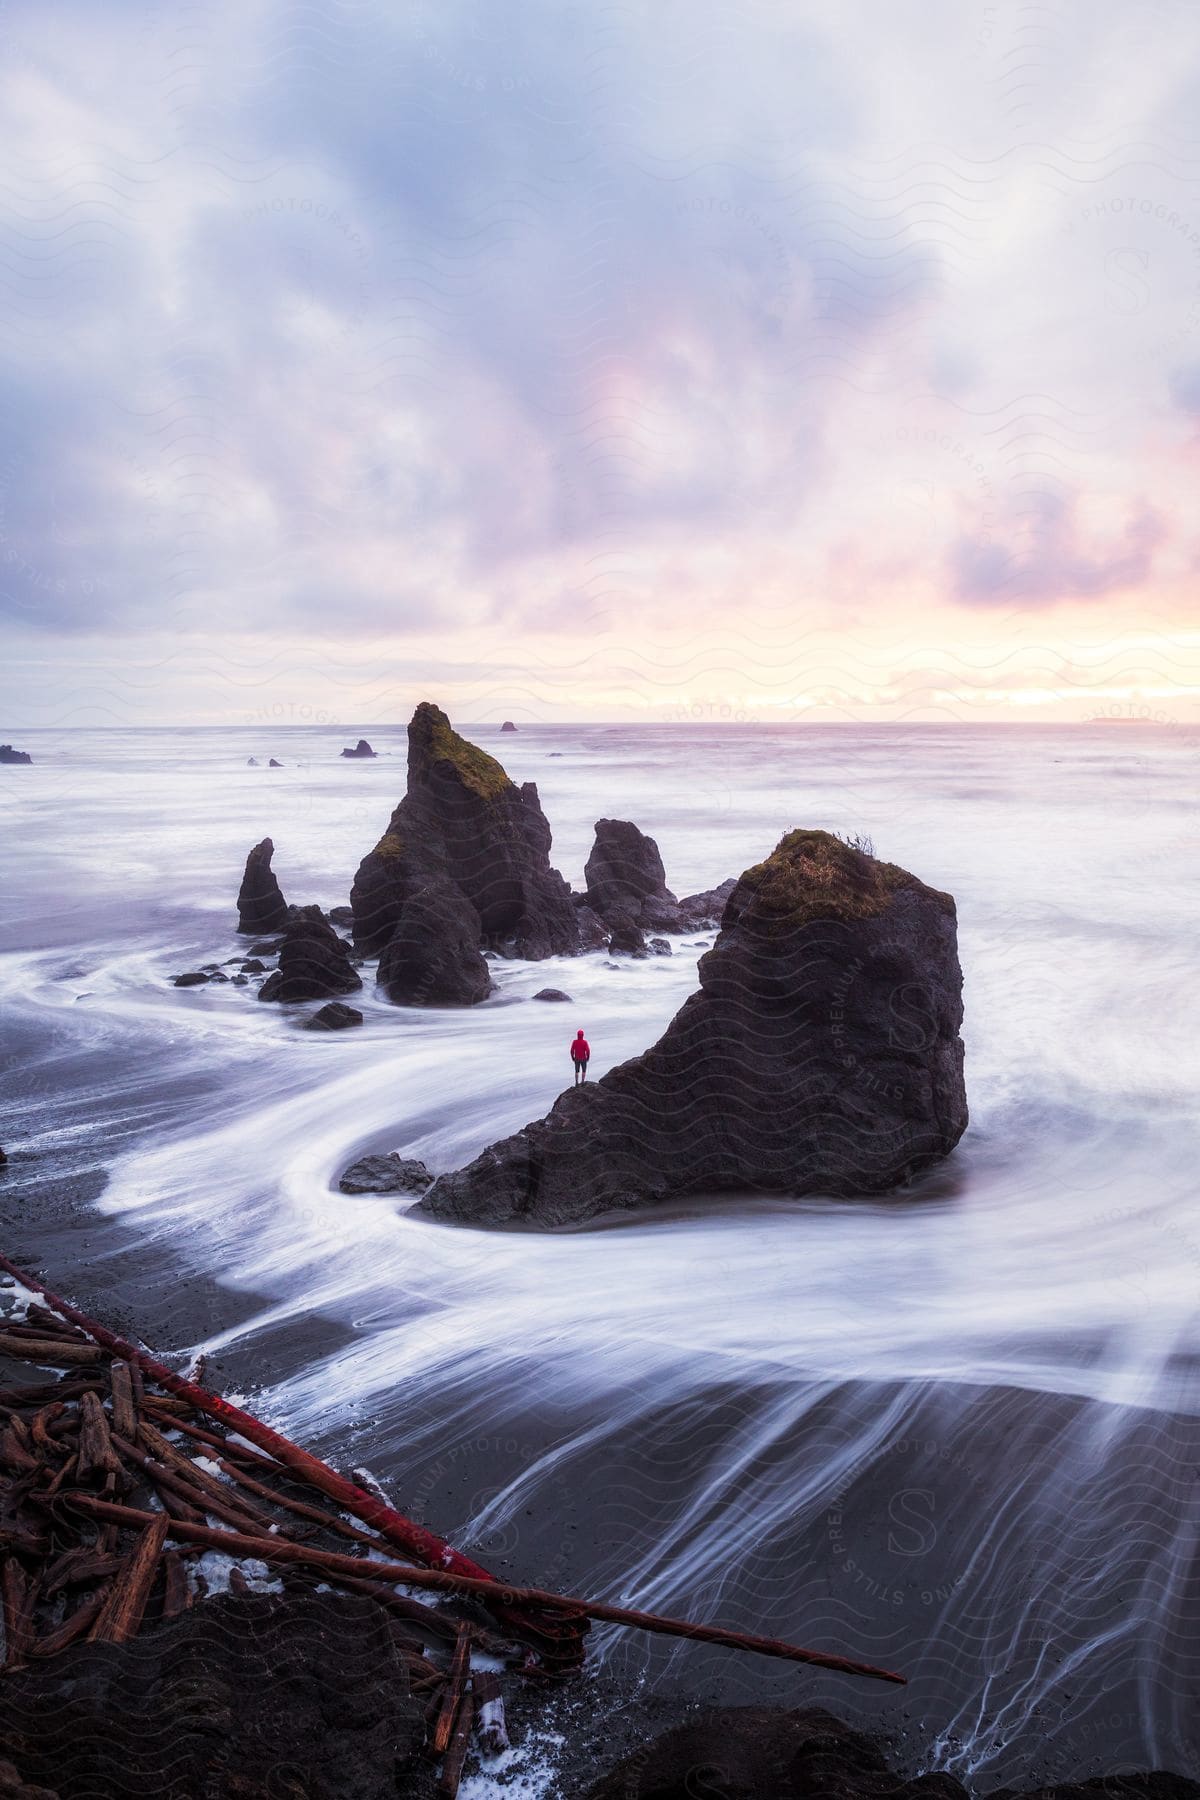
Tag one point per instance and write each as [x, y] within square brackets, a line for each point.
[821, 1054]
[313, 961]
[362, 748]
[508, 725]
[463, 826]
[274, 765]
[551, 994]
[9, 755]
[261, 905]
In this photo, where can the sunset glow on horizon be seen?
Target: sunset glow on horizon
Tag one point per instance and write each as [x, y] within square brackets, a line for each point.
[577, 363]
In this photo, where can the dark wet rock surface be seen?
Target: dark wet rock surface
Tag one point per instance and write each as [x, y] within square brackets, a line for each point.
[390, 1174]
[313, 962]
[821, 1054]
[261, 905]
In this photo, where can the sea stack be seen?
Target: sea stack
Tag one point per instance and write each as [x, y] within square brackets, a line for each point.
[362, 748]
[626, 880]
[821, 1055]
[463, 825]
[9, 755]
[261, 906]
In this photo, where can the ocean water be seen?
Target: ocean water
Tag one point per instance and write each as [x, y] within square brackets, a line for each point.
[954, 1432]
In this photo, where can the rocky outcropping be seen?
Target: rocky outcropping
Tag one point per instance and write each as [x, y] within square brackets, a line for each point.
[251, 1697]
[314, 963]
[760, 1753]
[433, 957]
[508, 725]
[627, 884]
[463, 825]
[704, 912]
[626, 879]
[261, 905]
[820, 1055]
[390, 1174]
[751, 1752]
[362, 748]
[9, 755]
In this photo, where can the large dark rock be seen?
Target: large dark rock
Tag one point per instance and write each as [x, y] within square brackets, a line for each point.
[464, 825]
[433, 957]
[251, 1698]
[508, 725]
[9, 755]
[261, 905]
[626, 879]
[758, 1753]
[390, 1174]
[313, 962]
[820, 1055]
[362, 748]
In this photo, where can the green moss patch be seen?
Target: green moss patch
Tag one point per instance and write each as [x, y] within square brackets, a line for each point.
[390, 845]
[475, 768]
[812, 875]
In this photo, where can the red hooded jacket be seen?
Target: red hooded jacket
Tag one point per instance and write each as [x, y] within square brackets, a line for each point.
[580, 1048]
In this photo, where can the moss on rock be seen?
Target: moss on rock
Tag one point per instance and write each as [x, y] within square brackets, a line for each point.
[813, 875]
[475, 768]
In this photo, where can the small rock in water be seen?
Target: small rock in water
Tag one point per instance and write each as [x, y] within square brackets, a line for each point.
[334, 1017]
[390, 1174]
[195, 978]
[362, 748]
[252, 966]
[508, 725]
[274, 765]
[659, 946]
[252, 762]
[266, 949]
[551, 994]
[239, 980]
[9, 755]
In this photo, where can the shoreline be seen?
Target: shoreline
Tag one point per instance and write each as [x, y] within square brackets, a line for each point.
[139, 1285]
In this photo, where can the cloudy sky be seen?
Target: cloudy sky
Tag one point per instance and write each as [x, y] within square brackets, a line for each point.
[574, 359]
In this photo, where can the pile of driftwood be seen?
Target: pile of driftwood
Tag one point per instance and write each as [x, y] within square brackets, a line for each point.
[117, 1475]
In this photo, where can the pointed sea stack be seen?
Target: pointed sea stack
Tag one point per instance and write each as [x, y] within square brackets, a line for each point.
[820, 1055]
[261, 906]
[464, 825]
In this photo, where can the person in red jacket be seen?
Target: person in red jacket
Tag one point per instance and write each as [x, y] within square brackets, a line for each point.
[580, 1051]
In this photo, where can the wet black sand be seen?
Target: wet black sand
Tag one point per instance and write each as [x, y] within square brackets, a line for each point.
[850, 1581]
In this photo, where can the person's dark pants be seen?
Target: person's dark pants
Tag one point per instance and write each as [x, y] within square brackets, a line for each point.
[581, 1064]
